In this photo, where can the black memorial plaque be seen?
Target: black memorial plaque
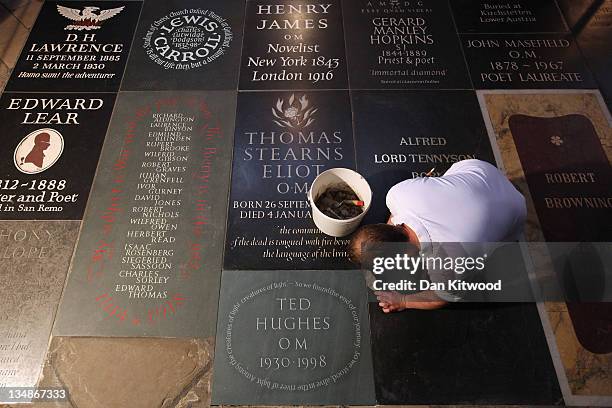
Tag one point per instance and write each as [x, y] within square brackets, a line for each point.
[293, 337]
[51, 148]
[529, 61]
[508, 16]
[403, 45]
[186, 45]
[283, 141]
[148, 260]
[293, 45]
[465, 353]
[594, 41]
[400, 135]
[76, 46]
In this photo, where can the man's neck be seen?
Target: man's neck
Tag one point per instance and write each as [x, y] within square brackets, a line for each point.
[412, 236]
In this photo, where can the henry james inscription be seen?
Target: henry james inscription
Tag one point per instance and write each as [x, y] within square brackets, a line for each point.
[293, 45]
[308, 339]
[149, 255]
[403, 45]
[77, 46]
[283, 141]
[46, 137]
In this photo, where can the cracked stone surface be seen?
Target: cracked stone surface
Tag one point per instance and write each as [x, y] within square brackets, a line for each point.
[130, 372]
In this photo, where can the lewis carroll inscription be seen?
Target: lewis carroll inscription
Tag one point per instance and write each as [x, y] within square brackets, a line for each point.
[308, 339]
[283, 141]
[149, 255]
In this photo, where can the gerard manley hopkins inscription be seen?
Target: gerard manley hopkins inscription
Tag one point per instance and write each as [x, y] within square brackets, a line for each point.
[187, 39]
[46, 137]
[296, 44]
[76, 46]
[284, 340]
[403, 44]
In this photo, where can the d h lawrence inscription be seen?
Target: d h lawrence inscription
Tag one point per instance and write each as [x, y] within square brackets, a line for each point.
[293, 340]
[146, 261]
[76, 46]
[187, 39]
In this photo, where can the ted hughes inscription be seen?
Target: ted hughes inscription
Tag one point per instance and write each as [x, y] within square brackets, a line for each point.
[149, 255]
[283, 142]
[309, 339]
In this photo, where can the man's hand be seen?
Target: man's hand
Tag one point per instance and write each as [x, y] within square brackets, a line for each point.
[396, 302]
[390, 301]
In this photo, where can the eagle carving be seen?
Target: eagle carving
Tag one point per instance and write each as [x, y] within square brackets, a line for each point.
[90, 18]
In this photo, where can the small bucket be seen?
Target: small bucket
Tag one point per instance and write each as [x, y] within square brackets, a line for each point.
[330, 178]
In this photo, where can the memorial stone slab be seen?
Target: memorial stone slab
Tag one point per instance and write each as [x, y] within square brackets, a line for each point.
[465, 353]
[46, 137]
[576, 12]
[283, 141]
[293, 45]
[402, 135]
[186, 45]
[594, 42]
[529, 61]
[403, 45]
[77, 46]
[508, 16]
[35, 257]
[148, 261]
[293, 337]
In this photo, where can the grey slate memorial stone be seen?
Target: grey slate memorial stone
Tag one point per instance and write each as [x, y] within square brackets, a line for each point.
[46, 136]
[148, 261]
[403, 45]
[77, 46]
[186, 45]
[293, 337]
[283, 141]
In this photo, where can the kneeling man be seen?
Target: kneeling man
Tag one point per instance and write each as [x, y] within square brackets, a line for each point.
[472, 202]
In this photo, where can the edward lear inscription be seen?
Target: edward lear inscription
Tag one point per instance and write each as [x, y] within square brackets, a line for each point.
[292, 322]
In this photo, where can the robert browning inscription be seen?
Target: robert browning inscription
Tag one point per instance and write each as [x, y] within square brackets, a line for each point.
[46, 138]
[149, 254]
[283, 141]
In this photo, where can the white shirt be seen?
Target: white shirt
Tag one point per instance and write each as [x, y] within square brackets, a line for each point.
[472, 202]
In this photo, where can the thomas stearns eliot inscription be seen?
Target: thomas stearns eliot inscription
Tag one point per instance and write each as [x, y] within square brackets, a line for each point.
[293, 45]
[403, 44]
[47, 137]
[308, 336]
[77, 46]
[283, 142]
[146, 258]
